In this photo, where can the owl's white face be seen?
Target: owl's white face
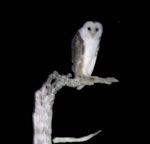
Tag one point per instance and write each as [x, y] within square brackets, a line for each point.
[92, 30]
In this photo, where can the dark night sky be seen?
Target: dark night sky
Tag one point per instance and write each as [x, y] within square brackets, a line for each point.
[43, 43]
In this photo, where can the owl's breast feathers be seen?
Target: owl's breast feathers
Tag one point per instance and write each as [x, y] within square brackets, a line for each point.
[78, 49]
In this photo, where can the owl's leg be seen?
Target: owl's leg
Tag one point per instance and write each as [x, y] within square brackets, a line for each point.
[85, 68]
[85, 73]
[91, 66]
[92, 63]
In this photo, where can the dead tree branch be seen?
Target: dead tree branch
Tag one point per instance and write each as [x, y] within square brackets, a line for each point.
[44, 99]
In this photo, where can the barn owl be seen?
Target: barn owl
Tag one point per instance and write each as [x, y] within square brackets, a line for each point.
[85, 47]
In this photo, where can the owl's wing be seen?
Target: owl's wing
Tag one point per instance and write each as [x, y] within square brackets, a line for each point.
[77, 52]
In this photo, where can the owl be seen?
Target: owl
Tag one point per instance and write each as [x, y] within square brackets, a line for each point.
[85, 47]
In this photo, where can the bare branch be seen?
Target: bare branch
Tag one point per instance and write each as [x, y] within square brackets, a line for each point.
[44, 99]
[71, 139]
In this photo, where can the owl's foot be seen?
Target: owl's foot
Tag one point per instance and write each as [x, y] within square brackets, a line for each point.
[80, 87]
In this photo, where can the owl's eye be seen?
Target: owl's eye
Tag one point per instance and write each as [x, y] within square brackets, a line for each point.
[96, 29]
[89, 28]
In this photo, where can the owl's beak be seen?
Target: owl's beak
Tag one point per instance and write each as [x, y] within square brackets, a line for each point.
[92, 34]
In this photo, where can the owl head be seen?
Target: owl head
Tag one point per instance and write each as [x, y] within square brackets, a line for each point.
[92, 30]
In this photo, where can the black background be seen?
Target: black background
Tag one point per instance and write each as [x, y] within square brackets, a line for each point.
[40, 39]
